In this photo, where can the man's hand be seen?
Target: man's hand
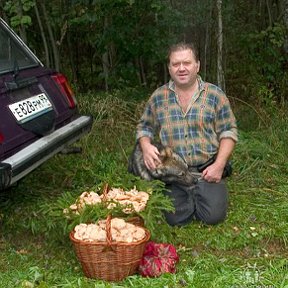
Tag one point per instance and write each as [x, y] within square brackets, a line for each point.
[213, 173]
[150, 154]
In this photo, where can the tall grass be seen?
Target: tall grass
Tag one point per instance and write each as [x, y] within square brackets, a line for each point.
[249, 249]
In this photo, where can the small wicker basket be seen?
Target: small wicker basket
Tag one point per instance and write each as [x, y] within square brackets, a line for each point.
[110, 261]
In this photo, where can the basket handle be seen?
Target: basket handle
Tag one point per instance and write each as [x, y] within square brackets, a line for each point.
[105, 191]
[108, 230]
[109, 246]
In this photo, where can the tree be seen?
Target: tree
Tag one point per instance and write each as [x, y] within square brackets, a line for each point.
[18, 11]
[56, 62]
[43, 36]
[220, 72]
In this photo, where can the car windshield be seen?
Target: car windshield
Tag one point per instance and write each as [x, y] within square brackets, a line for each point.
[13, 54]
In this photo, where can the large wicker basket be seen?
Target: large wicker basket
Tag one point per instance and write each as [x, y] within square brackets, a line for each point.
[111, 261]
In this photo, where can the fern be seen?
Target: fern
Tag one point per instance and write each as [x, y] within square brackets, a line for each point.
[152, 216]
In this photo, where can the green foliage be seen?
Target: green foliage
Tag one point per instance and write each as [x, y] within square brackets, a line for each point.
[115, 44]
[12, 8]
[257, 63]
[268, 59]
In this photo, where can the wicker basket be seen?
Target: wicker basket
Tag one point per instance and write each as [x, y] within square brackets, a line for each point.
[110, 261]
[136, 220]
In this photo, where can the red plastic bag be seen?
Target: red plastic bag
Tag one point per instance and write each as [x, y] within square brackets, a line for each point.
[158, 258]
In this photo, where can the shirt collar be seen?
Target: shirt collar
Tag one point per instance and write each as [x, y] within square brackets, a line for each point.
[171, 84]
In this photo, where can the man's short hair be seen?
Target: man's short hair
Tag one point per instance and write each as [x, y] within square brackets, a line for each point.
[182, 46]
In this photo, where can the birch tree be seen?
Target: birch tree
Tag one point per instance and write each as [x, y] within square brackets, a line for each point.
[220, 72]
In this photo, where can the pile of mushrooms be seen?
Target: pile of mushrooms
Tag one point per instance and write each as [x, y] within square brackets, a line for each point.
[86, 198]
[121, 231]
[133, 200]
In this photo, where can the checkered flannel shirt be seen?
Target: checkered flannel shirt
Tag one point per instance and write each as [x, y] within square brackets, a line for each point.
[194, 134]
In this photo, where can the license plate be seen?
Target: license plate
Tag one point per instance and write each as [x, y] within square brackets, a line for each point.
[28, 109]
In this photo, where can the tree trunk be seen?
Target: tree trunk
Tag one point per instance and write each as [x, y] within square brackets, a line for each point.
[105, 60]
[220, 72]
[206, 44]
[47, 60]
[285, 17]
[73, 58]
[207, 38]
[105, 64]
[269, 13]
[51, 36]
[142, 71]
[165, 70]
[22, 30]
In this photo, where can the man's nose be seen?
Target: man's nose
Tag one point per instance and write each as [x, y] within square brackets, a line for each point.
[181, 67]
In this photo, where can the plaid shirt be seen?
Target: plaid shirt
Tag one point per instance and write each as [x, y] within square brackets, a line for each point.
[194, 134]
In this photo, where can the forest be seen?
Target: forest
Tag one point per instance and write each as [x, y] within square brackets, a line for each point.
[102, 45]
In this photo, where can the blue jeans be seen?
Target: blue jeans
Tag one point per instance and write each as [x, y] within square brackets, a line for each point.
[204, 201]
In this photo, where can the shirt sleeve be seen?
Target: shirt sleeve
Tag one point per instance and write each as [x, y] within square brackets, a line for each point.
[146, 124]
[226, 125]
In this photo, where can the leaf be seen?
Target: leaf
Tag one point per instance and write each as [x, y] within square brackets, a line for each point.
[26, 20]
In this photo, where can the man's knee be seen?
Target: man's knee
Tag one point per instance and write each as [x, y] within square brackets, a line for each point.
[178, 219]
[211, 202]
[212, 217]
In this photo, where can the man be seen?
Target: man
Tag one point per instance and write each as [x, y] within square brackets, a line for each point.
[195, 119]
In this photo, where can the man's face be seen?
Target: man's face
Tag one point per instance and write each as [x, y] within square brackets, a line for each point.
[183, 68]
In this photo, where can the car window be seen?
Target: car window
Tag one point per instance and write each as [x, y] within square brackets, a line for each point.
[13, 55]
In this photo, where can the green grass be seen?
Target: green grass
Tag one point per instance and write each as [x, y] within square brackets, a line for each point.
[249, 249]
